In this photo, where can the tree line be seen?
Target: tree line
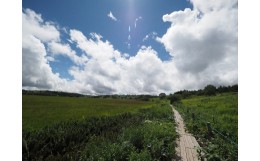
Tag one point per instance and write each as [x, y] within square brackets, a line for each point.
[50, 93]
[141, 97]
[209, 90]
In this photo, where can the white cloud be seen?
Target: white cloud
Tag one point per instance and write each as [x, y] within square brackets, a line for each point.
[203, 41]
[145, 72]
[203, 49]
[152, 35]
[36, 71]
[95, 47]
[137, 19]
[34, 58]
[110, 15]
[146, 37]
[64, 49]
[206, 6]
[50, 58]
[33, 24]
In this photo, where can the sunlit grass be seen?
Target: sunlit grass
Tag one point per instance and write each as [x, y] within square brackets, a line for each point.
[39, 111]
[221, 112]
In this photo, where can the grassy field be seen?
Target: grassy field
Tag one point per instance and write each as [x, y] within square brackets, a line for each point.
[222, 113]
[120, 130]
[39, 111]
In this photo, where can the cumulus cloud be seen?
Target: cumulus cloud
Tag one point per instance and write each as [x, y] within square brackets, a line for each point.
[111, 16]
[65, 49]
[94, 47]
[33, 24]
[36, 70]
[34, 58]
[203, 50]
[203, 41]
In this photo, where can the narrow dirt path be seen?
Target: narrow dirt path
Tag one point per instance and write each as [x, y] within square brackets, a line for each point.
[186, 149]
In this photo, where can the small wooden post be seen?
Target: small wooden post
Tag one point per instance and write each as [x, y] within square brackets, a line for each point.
[209, 129]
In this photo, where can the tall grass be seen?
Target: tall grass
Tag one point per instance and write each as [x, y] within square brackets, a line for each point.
[222, 113]
[40, 111]
[147, 134]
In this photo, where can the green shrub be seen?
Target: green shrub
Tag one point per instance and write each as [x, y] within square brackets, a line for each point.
[142, 156]
[101, 149]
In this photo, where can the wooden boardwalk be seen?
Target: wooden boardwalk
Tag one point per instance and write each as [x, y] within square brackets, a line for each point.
[186, 149]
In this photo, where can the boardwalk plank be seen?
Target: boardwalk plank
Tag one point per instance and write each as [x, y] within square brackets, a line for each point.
[189, 154]
[187, 145]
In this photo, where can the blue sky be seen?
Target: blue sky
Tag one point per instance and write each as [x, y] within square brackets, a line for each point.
[164, 29]
[91, 16]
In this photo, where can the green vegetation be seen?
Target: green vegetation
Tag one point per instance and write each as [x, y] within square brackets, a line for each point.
[162, 95]
[209, 90]
[222, 113]
[39, 111]
[127, 127]
[51, 93]
[145, 134]
[66, 94]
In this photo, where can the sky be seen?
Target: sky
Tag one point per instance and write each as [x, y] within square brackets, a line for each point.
[128, 46]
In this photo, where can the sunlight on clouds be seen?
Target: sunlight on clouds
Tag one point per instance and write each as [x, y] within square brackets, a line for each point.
[202, 39]
[33, 24]
[202, 54]
[64, 49]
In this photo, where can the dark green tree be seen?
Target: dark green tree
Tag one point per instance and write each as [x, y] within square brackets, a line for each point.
[234, 88]
[162, 95]
[174, 98]
[210, 90]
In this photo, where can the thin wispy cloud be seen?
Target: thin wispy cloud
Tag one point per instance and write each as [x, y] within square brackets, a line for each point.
[110, 15]
[152, 35]
[137, 19]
